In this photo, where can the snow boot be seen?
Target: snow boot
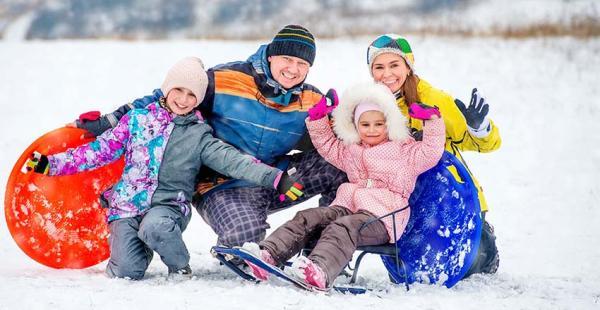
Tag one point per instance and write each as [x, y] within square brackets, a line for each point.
[487, 259]
[182, 274]
[309, 272]
[264, 255]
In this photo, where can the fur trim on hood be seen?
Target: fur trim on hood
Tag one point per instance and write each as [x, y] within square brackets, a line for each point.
[374, 93]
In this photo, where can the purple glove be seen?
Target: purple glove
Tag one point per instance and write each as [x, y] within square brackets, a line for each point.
[422, 111]
[324, 106]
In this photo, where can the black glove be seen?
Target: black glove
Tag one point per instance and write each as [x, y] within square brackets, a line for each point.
[37, 163]
[289, 187]
[477, 110]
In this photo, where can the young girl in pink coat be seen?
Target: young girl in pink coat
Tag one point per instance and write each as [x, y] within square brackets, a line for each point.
[382, 161]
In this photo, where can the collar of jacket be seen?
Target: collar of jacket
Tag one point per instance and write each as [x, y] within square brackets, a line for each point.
[180, 120]
[266, 83]
[189, 118]
[398, 94]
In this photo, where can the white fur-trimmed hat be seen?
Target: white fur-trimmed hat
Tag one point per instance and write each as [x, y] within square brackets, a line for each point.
[187, 73]
[373, 93]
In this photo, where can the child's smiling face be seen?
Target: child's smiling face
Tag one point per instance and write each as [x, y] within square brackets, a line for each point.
[372, 128]
[181, 100]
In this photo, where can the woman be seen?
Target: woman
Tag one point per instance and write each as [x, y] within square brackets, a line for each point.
[391, 62]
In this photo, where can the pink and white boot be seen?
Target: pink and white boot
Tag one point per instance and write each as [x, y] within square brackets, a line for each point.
[264, 255]
[309, 272]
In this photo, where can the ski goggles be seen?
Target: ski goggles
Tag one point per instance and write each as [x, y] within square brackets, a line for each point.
[390, 43]
[387, 41]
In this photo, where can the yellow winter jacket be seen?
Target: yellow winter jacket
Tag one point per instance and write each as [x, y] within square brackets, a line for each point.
[458, 138]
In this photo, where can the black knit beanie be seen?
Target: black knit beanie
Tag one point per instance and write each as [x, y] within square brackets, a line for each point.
[293, 40]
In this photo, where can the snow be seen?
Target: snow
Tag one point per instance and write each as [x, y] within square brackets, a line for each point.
[541, 185]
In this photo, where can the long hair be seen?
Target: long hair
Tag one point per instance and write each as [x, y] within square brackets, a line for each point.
[409, 89]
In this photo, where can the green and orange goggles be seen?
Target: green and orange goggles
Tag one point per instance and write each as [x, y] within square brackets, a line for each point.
[391, 43]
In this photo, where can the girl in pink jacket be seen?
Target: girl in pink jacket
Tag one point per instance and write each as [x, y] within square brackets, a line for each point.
[382, 161]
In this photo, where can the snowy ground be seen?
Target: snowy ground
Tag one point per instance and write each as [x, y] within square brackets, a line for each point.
[541, 185]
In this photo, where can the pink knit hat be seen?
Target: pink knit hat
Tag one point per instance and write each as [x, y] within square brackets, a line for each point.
[187, 73]
[364, 107]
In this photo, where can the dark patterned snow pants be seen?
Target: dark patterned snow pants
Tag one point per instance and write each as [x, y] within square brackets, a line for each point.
[239, 215]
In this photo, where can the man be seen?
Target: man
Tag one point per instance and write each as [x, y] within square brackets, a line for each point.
[258, 106]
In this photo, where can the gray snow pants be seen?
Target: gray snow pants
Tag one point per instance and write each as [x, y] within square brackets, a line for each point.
[133, 240]
[239, 215]
[337, 231]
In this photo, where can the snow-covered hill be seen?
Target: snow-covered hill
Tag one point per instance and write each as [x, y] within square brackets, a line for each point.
[541, 185]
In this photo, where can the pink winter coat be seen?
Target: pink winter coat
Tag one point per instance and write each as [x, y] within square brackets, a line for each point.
[382, 177]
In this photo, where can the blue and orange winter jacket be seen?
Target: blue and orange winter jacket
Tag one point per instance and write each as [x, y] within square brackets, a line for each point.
[247, 108]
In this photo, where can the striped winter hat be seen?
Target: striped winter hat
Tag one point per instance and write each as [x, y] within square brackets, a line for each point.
[391, 43]
[293, 40]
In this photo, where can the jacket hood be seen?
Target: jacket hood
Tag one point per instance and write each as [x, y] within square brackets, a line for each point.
[374, 93]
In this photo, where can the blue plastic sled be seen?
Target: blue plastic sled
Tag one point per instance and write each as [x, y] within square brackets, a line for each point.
[442, 236]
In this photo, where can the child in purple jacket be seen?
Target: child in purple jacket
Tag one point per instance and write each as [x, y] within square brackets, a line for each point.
[164, 145]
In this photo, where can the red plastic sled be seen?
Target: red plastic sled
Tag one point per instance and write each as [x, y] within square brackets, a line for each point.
[58, 221]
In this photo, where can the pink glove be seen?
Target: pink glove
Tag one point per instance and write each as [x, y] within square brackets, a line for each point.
[324, 106]
[422, 111]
